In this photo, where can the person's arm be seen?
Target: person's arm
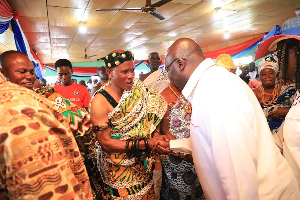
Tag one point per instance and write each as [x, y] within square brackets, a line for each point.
[279, 113]
[99, 117]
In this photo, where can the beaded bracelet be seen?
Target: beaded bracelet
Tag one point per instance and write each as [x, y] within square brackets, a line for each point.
[128, 153]
[137, 152]
[147, 150]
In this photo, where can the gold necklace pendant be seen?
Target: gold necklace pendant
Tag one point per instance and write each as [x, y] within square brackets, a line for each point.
[187, 108]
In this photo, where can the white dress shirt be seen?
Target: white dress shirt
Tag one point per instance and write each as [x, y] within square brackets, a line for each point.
[233, 150]
[291, 135]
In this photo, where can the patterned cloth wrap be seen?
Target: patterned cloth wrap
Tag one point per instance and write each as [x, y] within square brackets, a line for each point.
[275, 124]
[137, 114]
[180, 179]
[79, 118]
[80, 125]
[39, 158]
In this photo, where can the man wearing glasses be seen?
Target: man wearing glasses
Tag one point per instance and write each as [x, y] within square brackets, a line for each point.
[233, 150]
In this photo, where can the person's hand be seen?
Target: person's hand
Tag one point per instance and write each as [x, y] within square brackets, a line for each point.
[160, 144]
[279, 113]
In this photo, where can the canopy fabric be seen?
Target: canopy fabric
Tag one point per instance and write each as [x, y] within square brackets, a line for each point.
[23, 46]
[235, 51]
[6, 14]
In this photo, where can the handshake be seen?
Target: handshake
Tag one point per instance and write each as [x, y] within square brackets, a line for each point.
[160, 144]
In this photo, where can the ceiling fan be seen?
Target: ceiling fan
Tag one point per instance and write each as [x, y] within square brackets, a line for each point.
[88, 57]
[148, 8]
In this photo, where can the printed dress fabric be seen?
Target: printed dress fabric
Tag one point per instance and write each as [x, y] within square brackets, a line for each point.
[180, 181]
[80, 125]
[275, 124]
[39, 158]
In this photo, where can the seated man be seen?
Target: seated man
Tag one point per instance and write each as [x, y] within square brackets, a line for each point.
[130, 113]
[39, 157]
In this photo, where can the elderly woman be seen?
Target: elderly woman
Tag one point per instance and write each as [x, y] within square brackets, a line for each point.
[273, 97]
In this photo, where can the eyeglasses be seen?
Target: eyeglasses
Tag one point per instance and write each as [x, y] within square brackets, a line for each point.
[167, 68]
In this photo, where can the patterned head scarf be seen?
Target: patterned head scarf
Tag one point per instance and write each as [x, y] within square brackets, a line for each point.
[269, 62]
[114, 59]
[225, 61]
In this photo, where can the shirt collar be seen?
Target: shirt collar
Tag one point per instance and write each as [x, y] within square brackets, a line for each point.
[196, 75]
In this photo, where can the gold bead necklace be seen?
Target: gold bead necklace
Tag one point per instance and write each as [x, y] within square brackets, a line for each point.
[274, 95]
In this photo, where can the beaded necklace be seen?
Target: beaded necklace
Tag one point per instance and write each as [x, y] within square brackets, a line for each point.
[274, 95]
[186, 105]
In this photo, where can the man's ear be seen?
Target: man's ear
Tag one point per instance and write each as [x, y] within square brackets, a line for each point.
[160, 62]
[181, 64]
[109, 72]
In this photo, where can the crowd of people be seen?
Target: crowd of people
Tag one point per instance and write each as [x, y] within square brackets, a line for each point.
[191, 130]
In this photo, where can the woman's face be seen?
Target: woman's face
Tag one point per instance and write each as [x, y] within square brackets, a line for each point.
[267, 77]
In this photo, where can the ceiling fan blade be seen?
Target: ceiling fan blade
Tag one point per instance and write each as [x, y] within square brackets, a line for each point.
[156, 14]
[110, 9]
[160, 3]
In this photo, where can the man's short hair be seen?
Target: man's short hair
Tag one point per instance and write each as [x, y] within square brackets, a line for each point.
[7, 54]
[101, 68]
[149, 56]
[63, 62]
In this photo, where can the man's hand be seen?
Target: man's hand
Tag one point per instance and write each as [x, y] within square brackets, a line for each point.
[160, 144]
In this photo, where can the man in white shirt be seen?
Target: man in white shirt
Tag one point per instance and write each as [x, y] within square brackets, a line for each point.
[233, 150]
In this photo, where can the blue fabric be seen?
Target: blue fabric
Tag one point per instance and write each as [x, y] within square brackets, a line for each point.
[276, 123]
[18, 37]
[292, 31]
[4, 26]
[240, 54]
[275, 31]
[20, 44]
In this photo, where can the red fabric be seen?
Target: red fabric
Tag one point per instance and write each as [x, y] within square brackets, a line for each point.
[37, 59]
[92, 70]
[75, 93]
[232, 50]
[5, 9]
[263, 49]
[16, 15]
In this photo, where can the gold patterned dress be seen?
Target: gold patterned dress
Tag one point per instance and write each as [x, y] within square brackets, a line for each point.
[39, 158]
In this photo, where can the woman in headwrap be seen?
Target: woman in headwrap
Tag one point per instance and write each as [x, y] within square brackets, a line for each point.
[274, 98]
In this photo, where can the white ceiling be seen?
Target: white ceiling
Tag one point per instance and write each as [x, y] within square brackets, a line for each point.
[52, 26]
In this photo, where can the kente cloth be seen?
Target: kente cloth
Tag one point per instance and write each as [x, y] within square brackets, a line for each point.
[275, 124]
[80, 125]
[137, 114]
[158, 79]
[39, 157]
[180, 179]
